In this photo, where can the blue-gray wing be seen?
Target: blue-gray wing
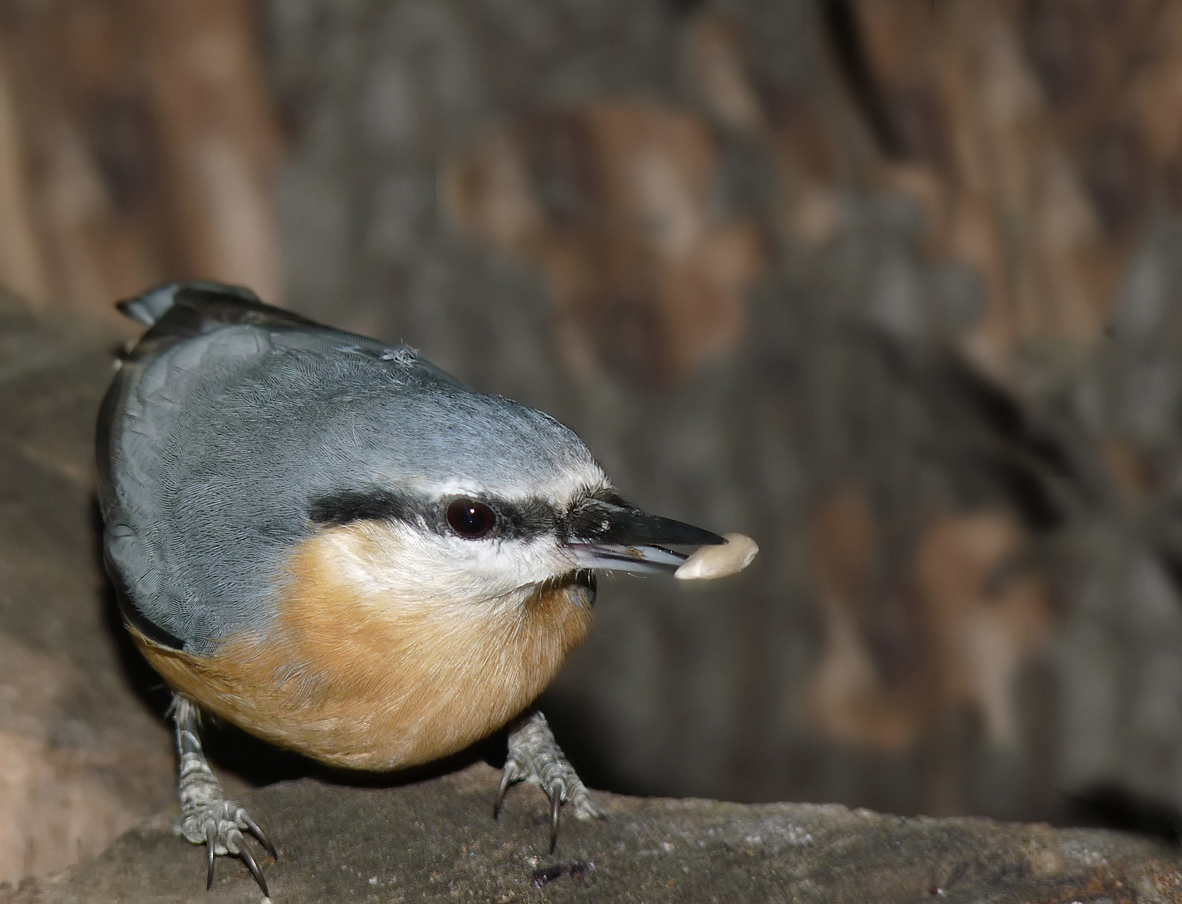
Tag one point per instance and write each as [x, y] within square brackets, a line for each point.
[221, 424]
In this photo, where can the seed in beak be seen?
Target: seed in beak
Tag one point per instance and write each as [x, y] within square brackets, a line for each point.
[709, 562]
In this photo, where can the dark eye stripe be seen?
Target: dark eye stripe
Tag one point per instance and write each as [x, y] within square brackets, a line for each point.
[347, 506]
[514, 520]
[527, 519]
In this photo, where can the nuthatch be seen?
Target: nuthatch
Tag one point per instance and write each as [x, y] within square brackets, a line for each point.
[336, 546]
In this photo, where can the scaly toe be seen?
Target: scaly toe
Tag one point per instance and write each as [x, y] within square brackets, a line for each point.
[219, 825]
[535, 757]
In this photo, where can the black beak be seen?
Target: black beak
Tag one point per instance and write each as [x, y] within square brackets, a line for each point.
[617, 536]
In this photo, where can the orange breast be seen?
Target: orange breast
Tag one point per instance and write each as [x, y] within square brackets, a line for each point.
[353, 680]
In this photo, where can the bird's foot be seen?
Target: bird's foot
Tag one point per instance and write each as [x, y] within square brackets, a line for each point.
[207, 817]
[535, 757]
[219, 824]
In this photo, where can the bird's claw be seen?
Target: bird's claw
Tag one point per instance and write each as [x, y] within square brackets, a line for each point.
[509, 776]
[219, 825]
[535, 757]
[211, 843]
[555, 812]
[251, 865]
[253, 827]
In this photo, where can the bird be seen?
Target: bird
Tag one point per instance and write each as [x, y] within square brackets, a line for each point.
[338, 547]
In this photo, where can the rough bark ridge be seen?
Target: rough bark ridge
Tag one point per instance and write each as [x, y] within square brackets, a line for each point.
[437, 841]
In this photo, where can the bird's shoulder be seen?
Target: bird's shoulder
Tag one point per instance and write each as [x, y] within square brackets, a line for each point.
[230, 322]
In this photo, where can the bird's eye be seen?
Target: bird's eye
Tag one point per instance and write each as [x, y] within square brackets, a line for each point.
[470, 518]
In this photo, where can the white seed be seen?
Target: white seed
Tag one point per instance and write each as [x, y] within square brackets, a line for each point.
[709, 562]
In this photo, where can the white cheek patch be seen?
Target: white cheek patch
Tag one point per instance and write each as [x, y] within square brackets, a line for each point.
[409, 564]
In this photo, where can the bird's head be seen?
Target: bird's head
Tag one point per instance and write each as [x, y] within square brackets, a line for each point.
[493, 503]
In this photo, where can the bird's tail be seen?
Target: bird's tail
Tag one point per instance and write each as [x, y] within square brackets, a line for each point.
[155, 303]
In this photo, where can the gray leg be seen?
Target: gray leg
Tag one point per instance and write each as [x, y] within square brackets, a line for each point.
[535, 757]
[206, 816]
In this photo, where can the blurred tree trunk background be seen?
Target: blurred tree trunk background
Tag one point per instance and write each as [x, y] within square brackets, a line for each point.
[891, 285]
